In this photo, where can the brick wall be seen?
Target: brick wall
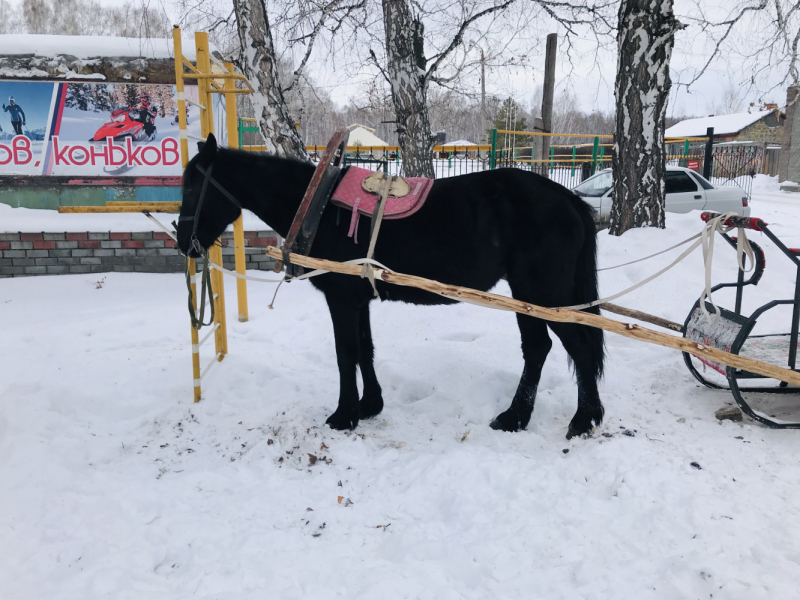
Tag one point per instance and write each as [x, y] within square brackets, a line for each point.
[25, 254]
[760, 132]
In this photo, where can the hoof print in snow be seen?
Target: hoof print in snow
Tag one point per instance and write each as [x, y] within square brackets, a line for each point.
[729, 413]
[695, 465]
[629, 433]
[565, 450]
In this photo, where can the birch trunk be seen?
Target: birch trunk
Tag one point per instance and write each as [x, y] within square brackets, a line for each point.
[645, 39]
[260, 65]
[407, 76]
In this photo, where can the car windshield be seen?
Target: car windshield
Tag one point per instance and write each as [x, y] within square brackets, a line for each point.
[596, 186]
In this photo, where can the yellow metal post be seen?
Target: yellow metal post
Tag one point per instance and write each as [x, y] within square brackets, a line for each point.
[179, 89]
[195, 339]
[238, 224]
[206, 128]
[184, 145]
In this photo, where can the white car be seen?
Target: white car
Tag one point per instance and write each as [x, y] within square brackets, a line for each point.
[686, 190]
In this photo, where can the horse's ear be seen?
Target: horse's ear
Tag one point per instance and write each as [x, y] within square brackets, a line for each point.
[208, 149]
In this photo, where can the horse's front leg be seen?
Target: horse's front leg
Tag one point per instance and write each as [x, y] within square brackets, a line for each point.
[345, 316]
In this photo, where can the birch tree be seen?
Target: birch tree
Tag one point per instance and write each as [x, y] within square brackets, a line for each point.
[259, 63]
[645, 38]
[409, 75]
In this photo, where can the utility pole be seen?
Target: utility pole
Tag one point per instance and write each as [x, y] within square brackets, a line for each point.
[484, 134]
[549, 88]
[483, 97]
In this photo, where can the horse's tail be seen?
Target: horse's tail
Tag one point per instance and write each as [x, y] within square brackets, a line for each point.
[585, 287]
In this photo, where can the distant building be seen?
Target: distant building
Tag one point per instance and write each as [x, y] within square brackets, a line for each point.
[365, 137]
[762, 126]
[459, 147]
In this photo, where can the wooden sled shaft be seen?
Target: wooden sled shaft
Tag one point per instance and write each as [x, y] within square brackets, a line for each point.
[641, 316]
[561, 315]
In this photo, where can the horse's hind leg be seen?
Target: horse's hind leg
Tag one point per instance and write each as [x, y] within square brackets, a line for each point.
[585, 347]
[536, 345]
[372, 401]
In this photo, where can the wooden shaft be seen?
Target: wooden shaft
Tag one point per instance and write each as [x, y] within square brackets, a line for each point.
[238, 224]
[560, 315]
[641, 316]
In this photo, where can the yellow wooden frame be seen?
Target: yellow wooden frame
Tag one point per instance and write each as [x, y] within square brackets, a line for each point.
[211, 82]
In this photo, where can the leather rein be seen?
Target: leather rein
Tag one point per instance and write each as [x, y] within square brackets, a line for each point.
[194, 244]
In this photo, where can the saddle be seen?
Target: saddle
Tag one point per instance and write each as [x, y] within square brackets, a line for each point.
[359, 188]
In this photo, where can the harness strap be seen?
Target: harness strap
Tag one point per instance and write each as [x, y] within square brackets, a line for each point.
[368, 270]
[217, 185]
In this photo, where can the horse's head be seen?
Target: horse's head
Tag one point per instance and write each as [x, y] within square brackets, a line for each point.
[205, 210]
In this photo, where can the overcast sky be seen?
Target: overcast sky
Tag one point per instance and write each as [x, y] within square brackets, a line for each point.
[590, 76]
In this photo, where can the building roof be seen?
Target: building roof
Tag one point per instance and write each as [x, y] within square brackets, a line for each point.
[91, 46]
[459, 143]
[364, 136]
[722, 124]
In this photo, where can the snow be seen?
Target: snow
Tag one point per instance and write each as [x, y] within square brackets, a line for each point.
[116, 485]
[29, 220]
[91, 46]
[722, 124]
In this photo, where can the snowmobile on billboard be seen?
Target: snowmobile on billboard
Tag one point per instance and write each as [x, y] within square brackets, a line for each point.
[138, 124]
[126, 122]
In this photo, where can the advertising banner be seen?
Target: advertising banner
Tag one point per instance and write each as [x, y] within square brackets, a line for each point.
[94, 129]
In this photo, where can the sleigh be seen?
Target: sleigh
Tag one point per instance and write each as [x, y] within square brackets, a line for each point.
[772, 402]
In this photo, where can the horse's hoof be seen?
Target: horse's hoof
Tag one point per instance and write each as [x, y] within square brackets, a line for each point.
[340, 421]
[584, 423]
[507, 421]
[369, 408]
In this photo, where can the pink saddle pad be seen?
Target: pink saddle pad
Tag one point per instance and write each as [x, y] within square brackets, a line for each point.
[349, 194]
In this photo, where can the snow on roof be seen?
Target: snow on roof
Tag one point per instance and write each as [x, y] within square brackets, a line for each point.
[460, 143]
[361, 136]
[722, 124]
[91, 46]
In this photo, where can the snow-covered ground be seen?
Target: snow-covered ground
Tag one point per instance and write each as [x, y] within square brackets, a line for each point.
[115, 485]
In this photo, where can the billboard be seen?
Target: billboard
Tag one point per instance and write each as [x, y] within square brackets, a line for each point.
[94, 129]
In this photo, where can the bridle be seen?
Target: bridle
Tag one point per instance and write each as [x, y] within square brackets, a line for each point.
[194, 244]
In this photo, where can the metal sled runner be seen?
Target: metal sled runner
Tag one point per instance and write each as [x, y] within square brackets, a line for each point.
[732, 333]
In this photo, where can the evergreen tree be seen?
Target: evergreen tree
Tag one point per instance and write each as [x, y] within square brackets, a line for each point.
[511, 117]
[132, 94]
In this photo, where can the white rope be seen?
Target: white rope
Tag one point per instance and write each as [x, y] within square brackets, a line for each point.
[357, 261]
[686, 241]
[705, 239]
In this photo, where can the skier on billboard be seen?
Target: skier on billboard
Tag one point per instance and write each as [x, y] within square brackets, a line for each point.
[146, 115]
[17, 115]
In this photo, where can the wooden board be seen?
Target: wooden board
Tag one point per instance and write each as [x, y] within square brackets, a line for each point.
[124, 207]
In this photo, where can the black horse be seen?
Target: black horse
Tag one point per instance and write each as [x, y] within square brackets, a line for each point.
[472, 231]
